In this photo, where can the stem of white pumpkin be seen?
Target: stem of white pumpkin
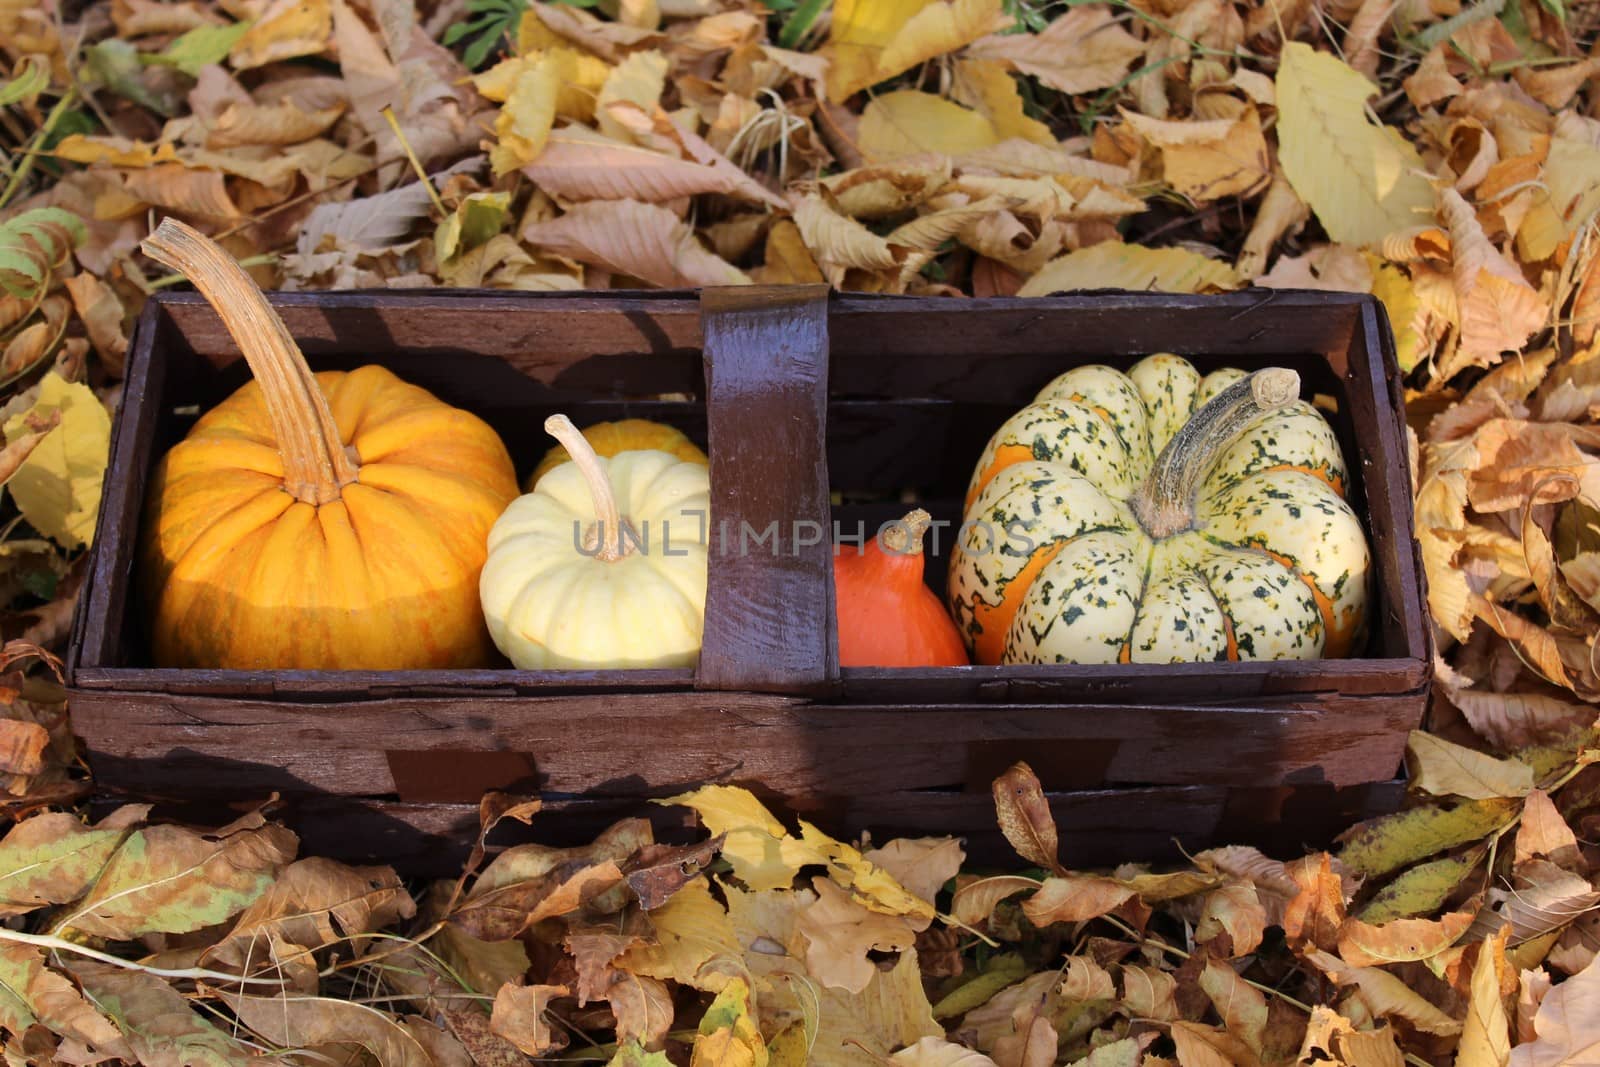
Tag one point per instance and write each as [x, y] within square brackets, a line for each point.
[1164, 504]
[611, 545]
[904, 538]
[316, 465]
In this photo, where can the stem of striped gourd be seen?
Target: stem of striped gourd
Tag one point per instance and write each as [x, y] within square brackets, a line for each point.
[1165, 503]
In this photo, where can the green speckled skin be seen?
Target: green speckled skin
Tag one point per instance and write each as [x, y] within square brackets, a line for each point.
[1053, 567]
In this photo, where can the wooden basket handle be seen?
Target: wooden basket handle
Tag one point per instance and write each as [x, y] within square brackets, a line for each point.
[770, 622]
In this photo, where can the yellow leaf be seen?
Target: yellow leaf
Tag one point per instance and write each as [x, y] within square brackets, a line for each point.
[695, 944]
[1082, 50]
[581, 76]
[857, 36]
[938, 28]
[908, 122]
[861, 1029]
[639, 80]
[1243, 1008]
[788, 261]
[117, 151]
[57, 487]
[286, 29]
[872, 885]
[1113, 265]
[985, 85]
[1486, 1037]
[728, 1035]
[1362, 180]
[1390, 842]
[523, 125]
[1391, 285]
[763, 854]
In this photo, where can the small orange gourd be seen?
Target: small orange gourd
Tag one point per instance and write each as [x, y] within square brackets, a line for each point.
[888, 617]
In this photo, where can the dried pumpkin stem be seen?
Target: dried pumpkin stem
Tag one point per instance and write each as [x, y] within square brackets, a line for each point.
[904, 538]
[1165, 503]
[316, 465]
[605, 540]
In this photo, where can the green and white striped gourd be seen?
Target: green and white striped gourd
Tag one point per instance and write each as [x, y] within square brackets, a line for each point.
[1159, 516]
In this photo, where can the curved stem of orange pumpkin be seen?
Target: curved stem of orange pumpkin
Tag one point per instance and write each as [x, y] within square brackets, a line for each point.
[316, 466]
[904, 538]
[611, 544]
[1164, 504]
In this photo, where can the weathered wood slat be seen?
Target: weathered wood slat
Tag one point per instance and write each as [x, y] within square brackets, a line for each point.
[769, 595]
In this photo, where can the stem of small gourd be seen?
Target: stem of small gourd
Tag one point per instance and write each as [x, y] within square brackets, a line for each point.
[1165, 503]
[316, 465]
[904, 538]
[611, 544]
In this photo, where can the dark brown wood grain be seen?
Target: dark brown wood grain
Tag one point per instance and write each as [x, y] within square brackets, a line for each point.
[867, 396]
[769, 594]
[646, 745]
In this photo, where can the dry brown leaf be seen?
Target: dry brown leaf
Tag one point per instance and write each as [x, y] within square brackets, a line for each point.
[839, 243]
[1316, 914]
[609, 40]
[1208, 160]
[1234, 909]
[580, 164]
[1499, 309]
[1206, 1046]
[1386, 994]
[1074, 898]
[642, 1007]
[645, 241]
[1401, 941]
[101, 312]
[1443, 768]
[518, 1017]
[183, 191]
[1242, 1007]
[1081, 51]
[22, 746]
[1025, 818]
[922, 864]
[840, 933]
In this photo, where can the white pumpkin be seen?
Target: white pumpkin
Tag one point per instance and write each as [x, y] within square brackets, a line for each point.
[1160, 516]
[603, 565]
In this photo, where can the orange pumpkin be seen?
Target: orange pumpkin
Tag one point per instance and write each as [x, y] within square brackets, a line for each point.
[887, 616]
[330, 521]
[625, 435]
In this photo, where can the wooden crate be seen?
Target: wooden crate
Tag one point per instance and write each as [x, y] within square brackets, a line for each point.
[796, 395]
